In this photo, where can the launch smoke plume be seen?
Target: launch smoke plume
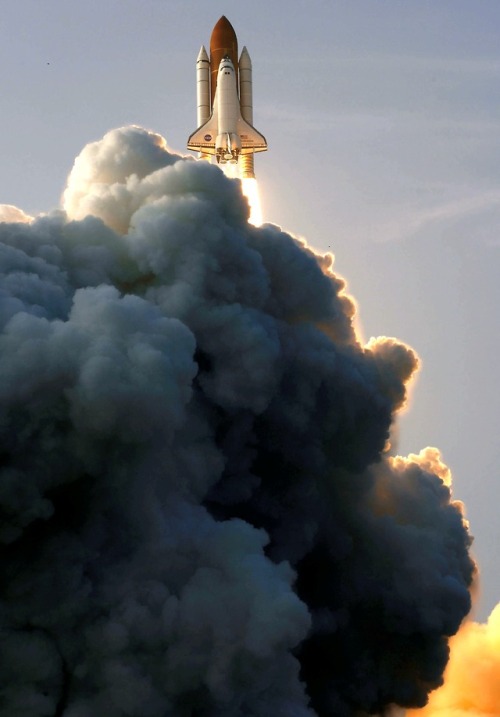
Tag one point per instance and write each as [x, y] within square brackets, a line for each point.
[198, 516]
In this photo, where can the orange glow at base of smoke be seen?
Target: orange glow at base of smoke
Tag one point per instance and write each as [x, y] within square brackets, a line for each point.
[472, 679]
[251, 192]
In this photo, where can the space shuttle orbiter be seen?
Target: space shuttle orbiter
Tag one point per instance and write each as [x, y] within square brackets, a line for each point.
[225, 107]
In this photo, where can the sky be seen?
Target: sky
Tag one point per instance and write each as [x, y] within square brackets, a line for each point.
[382, 120]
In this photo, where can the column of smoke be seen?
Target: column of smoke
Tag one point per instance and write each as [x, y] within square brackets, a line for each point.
[199, 517]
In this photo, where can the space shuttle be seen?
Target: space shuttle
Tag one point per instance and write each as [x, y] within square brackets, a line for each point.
[225, 105]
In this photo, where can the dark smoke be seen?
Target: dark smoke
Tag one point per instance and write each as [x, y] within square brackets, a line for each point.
[198, 515]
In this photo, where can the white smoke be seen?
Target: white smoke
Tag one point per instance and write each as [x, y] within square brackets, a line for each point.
[197, 516]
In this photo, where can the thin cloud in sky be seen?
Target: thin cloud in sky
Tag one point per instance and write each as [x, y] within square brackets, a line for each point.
[408, 226]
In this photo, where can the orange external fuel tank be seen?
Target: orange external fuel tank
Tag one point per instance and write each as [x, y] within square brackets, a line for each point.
[222, 42]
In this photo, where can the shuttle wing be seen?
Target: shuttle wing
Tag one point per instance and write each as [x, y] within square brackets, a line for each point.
[251, 140]
[203, 139]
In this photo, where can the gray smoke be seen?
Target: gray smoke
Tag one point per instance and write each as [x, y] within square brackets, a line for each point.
[198, 515]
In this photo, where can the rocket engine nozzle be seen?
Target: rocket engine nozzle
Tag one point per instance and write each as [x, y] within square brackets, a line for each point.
[227, 147]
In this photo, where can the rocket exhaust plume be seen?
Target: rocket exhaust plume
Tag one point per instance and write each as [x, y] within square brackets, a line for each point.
[198, 517]
[250, 189]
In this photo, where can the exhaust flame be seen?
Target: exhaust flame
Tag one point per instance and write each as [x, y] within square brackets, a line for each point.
[251, 192]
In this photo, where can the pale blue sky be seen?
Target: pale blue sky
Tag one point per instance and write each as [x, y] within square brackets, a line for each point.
[382, 118]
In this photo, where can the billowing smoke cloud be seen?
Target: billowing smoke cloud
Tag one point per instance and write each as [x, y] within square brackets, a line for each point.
[472, 678]
[198, 515]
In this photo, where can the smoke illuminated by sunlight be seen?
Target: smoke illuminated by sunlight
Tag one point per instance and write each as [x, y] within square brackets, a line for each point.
[472, 679]
[251, 192]
[9, 213]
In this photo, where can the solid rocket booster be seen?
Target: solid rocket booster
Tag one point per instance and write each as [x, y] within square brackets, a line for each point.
[246, 105]
[203, 87]
[225, 104]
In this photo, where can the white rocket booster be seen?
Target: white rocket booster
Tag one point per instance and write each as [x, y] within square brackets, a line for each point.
[224, 103]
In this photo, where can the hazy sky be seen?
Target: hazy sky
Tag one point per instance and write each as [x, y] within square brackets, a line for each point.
[382, 118]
